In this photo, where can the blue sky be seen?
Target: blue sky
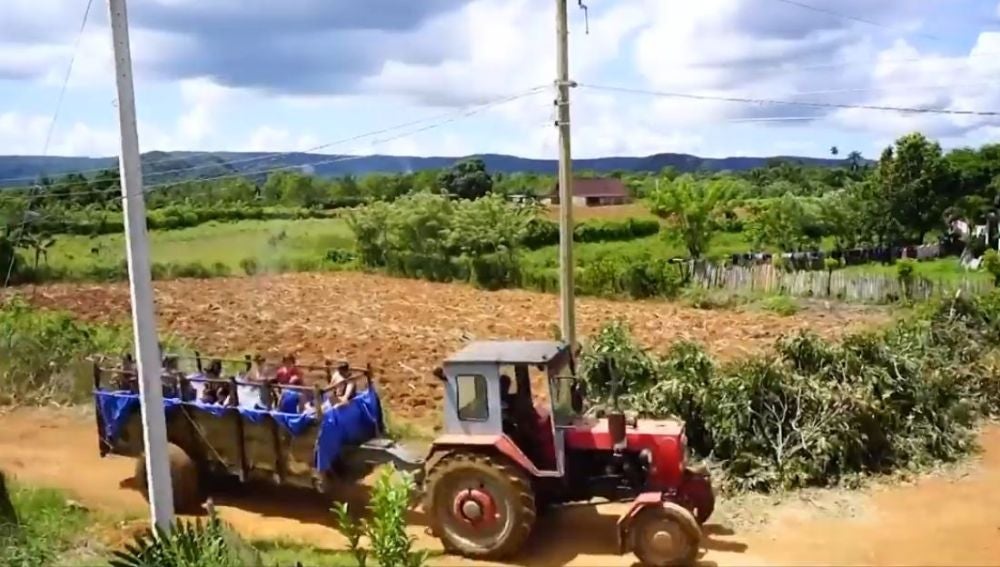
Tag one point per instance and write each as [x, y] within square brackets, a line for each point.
[292, 75]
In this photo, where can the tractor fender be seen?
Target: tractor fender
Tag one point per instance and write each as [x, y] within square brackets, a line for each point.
[647, 500]
[502, 444]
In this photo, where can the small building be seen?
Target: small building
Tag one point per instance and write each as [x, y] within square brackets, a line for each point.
[595, 192]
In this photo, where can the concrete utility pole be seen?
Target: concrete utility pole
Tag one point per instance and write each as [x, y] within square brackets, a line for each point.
[567, 307]
[154, 427]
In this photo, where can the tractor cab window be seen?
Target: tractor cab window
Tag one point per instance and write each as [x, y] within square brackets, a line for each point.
[472, 398]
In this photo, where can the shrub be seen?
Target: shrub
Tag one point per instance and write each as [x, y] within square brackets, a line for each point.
[249, 266]
[340, 256]
[386, 529]
[780, 305]
[814, 412]
[991, 263]
[188, 544]
[494, 271]
[905, 270]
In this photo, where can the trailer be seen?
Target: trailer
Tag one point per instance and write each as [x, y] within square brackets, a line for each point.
[247, 438]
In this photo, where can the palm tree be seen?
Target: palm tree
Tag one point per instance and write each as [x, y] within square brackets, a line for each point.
[854, 159]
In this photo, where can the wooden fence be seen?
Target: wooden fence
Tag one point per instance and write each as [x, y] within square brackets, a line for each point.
[765, 278]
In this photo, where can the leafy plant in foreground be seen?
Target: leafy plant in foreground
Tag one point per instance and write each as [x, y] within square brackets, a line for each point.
[386, 526]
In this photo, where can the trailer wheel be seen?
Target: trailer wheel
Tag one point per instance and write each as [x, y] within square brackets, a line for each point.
[480, 506]
[184, 479]
[665, 536]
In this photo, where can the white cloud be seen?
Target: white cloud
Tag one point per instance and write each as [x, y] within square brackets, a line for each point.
[271, 139]
[25, 135]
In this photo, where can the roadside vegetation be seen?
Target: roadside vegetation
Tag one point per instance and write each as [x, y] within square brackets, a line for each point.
[814, 412]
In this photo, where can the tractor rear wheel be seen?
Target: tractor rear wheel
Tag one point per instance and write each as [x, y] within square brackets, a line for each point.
[697, 495]
[480, 506]
[665, 536]
[184, 479]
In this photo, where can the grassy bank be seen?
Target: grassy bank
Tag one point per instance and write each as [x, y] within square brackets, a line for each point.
[49, 529]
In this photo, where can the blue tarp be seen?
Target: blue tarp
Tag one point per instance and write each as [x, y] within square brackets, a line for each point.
[352, 424]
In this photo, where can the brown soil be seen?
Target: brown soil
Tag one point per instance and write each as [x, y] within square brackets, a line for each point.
[940, 520]
[405, 327]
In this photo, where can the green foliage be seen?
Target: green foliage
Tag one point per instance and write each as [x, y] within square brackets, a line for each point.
[637, 277]
[908, 193]
[467, 179]
[542, 232]
[46, 527]
[188, 544]
[991, 263]
[788, 224]
[780, 305]
[43, 354]
[386, 527]
[693, 209]
[814, 412]
[905, 270]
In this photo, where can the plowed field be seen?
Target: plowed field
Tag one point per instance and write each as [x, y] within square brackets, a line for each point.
[405, 327]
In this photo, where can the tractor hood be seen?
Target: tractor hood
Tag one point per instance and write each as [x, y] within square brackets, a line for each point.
[593, 433]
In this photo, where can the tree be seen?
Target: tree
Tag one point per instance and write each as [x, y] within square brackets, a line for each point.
[909, 191]
[693, 209]
[834, 150]
[855, 161]
[467, 179]
[784, 223]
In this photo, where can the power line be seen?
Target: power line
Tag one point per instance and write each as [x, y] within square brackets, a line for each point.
[271, 156]
[455, 116]
[749, 100]
[851, 18]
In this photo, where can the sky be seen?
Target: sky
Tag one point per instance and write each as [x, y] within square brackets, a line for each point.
[459, 77]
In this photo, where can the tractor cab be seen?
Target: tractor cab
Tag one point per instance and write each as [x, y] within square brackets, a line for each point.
[522, 390]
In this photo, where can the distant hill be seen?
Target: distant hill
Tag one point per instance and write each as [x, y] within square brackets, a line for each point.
[161, 167]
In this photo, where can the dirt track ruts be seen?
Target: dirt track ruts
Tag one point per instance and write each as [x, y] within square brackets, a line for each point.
[940, 520]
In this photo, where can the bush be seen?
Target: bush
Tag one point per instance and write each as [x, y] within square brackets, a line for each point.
[188, 544]
[814, 412]
[249, 266]
[494, 271]
[340, 256]
[640, 277]
[991, 263]
[543, 232]
[780, 305]
[386, 529]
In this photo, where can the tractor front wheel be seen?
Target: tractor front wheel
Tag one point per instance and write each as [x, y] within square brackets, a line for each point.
[184, 479]
[480, 506]
[665, 536]
[697, 495]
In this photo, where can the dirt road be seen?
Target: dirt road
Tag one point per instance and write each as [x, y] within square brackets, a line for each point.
[934, 521]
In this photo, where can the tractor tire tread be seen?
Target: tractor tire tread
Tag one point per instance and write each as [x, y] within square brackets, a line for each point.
[518, 481]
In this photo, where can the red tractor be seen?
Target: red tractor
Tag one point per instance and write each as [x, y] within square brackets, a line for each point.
[504, 456]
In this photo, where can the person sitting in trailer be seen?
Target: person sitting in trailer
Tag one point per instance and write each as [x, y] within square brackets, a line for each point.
[343, 387]
[291, 400]
[288, 370]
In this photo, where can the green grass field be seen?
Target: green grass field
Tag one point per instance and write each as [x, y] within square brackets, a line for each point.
[947, 270]
[267, 242]
[299, 245]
